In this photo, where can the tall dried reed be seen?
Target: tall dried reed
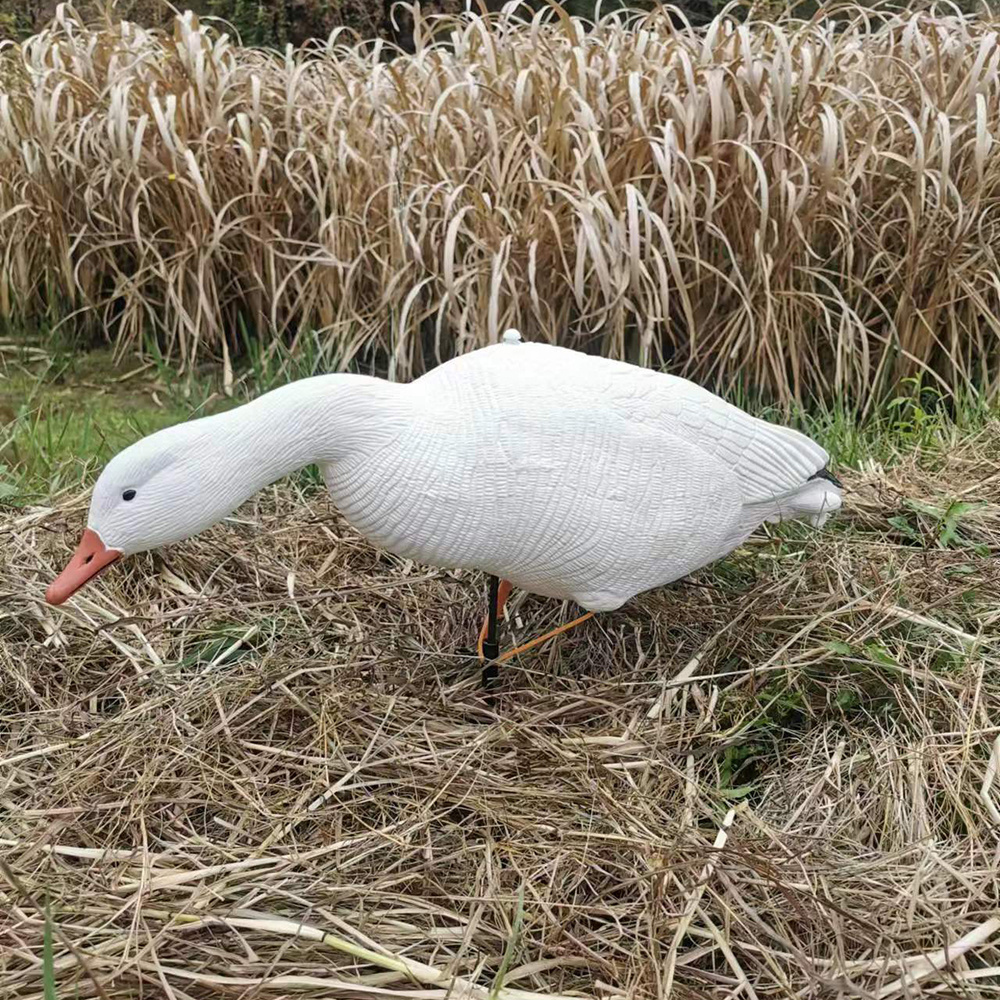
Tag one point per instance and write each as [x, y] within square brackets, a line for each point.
[808, 207]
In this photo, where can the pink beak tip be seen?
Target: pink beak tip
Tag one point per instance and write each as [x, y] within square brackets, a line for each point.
[91, 556]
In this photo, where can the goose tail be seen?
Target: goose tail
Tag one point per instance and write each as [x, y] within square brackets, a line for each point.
[815, 501]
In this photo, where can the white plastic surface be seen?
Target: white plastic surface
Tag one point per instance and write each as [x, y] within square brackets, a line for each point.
[570, 475]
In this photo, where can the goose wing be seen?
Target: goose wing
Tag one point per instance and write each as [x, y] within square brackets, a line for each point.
[769, 461]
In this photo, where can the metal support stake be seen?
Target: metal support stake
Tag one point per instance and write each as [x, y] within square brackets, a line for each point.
[491, 645]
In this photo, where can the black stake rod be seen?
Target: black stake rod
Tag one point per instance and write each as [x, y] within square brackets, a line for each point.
[491, 646]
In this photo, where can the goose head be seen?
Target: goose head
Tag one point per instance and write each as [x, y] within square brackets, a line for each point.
[162, 489]
[179, 481]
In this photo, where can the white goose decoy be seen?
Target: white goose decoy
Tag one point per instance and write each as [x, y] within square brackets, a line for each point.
[568, 475]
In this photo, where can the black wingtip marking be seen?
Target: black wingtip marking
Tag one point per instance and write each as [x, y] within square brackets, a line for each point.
[828, 476]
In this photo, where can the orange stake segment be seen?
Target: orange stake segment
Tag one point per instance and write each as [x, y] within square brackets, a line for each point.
[503, 593]
[548, 635]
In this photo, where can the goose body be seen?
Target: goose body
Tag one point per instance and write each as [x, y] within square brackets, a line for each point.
[571, 476]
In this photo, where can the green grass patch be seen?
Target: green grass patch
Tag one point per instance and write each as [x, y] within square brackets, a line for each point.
[65, 413]
[66, 410]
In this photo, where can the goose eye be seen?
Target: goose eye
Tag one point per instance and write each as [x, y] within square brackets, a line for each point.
[128, 495]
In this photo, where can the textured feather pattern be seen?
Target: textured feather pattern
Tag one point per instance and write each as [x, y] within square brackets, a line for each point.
[572, 476]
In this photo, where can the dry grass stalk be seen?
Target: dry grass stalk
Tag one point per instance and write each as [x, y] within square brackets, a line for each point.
[806, 206]
[257, 763]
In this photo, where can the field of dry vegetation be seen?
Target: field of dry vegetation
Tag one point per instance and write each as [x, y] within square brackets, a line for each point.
[807, 207]
[261, 763]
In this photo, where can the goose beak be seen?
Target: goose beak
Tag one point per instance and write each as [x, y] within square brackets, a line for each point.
[91, 556]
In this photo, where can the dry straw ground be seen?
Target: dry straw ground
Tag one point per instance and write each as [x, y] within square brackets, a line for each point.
[258, 765]
[811, 205]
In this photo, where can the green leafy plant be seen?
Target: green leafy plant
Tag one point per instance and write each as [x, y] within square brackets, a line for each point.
[8, 488]
[48, 960]
[944, 524]
[916, 415]
[513, 943]
[734, 759]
